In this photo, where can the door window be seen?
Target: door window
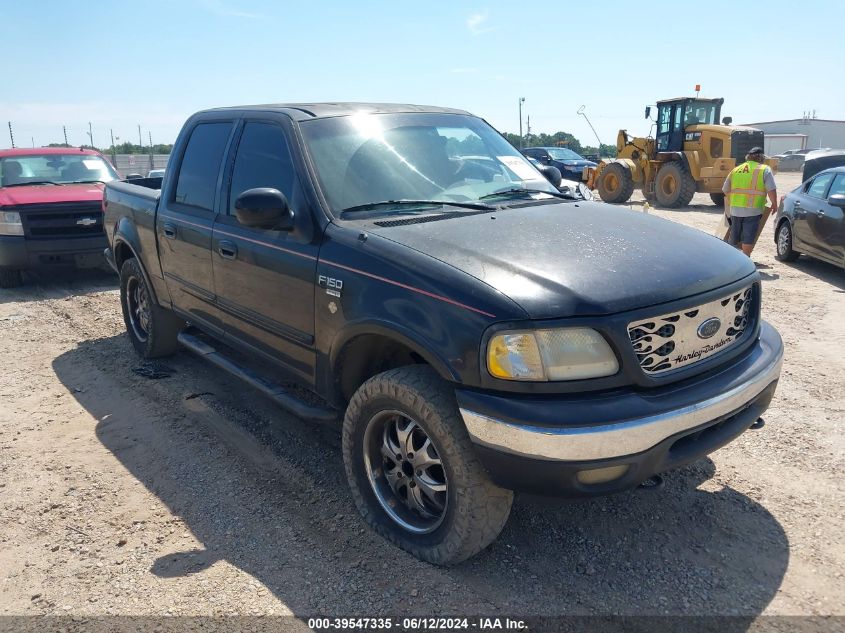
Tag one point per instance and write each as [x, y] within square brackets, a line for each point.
[819, 185]
[838, 186]
[197, 182]
[263, 160]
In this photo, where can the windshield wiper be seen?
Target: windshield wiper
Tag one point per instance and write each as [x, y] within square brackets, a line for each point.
[395, 203]
[82, 182]
[33, 182]
[519, 191]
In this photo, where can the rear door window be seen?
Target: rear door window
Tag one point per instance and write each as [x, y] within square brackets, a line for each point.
[197, 182]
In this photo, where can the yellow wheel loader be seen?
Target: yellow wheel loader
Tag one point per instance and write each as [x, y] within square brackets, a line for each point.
[691, 152]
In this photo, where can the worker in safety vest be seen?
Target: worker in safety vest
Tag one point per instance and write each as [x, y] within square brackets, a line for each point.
[746, 189]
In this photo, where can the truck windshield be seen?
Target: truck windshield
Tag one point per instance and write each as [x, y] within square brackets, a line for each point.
[54, 168]
[368, 159]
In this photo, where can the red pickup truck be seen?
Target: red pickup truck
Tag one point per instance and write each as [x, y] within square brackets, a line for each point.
[51, 209]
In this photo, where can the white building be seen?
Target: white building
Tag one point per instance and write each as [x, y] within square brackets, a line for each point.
[801, 134]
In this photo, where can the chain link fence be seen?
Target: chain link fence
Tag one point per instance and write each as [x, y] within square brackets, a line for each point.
[126, 164]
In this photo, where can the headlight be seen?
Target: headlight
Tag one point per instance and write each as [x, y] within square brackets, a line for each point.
[10, 223]
[546, 355]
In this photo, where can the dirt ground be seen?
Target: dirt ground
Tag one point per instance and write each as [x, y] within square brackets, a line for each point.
[192, 494]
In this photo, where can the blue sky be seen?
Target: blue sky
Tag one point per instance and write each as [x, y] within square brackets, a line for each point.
[118, 64]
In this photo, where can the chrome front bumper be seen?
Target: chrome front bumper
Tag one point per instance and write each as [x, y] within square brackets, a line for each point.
[710, 401]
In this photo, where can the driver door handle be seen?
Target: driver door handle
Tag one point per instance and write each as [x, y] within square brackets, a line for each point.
[169, 231]
[227, 249]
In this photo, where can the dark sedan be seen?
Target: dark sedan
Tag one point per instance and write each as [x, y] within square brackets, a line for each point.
[811, 219]
[570, 164]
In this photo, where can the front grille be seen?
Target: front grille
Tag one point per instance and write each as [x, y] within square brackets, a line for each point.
[61, 220]
[679, 339]
[744, 140]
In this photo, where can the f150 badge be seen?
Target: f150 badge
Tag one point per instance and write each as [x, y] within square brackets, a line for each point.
[333, 286]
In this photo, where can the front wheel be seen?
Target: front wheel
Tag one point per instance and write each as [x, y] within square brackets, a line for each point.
[151, 328]
[412, 469]
[615, 184]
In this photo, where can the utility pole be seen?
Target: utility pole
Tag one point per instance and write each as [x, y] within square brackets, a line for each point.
[11, 136]
[140, 140]
[113, 151]
[64, 130]
[521, 101]
[90, 135]
[151, 149]
[581, 112]
[33, 142]
[528, 127]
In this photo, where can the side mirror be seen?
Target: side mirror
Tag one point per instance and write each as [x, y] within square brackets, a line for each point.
[837, 200]
[133, 176]
[647, 111]
[264, 208]
[727, 120]
[552, 174]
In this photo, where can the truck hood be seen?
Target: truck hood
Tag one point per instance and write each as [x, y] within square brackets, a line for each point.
[577, 259]
[49, 194]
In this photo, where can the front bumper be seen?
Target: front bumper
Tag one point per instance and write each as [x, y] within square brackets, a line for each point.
[22, 253]
[545, 445]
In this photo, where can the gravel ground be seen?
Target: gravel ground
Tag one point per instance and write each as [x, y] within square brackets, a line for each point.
[191, 494]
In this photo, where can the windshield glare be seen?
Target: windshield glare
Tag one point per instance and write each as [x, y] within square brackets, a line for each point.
[369, 158]
[57, 168]
[700, 112]
[561, 153]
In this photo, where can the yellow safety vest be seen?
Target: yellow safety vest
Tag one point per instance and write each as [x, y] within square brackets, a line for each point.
[748, 187]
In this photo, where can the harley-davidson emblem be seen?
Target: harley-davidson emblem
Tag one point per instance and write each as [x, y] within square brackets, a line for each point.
[86, 221]
[709, 328]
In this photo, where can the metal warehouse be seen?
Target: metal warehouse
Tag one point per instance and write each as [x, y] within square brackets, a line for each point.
[801, 133]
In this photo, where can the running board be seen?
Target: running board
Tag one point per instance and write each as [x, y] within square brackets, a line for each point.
[281, 396]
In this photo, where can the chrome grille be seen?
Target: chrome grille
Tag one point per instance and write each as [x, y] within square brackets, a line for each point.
[675, 340]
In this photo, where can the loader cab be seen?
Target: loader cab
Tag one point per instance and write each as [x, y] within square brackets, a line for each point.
[675, 115]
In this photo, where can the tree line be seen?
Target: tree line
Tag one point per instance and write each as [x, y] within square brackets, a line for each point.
[124, 148]
[562, 139]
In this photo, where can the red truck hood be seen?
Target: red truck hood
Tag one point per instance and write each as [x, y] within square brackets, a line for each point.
[48, 194]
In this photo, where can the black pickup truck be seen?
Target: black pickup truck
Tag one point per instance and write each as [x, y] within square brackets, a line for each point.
[476, 330]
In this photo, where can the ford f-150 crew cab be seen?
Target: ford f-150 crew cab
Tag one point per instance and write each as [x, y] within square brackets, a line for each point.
[477, 330]
[50, 209]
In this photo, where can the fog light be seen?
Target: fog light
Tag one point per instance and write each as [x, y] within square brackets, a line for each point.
[601, 475]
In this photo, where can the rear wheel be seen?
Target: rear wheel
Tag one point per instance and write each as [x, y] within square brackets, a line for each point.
[10, 278]
[785, 253]
[615, 184]
[718, 199]
[412, 469]
[674, 187]
[151, 328]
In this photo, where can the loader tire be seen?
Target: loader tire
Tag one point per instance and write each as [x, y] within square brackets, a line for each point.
[674, 187]
[718, 199]
[615, 184]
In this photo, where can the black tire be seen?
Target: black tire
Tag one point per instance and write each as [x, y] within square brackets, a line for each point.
[10, 278]
[615, 184]
[468, 515]
[718, 199]
[674, 186]
[151, 328]
[783, 243]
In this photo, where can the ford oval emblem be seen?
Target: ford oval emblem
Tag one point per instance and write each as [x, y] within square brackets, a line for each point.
[709, 328]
